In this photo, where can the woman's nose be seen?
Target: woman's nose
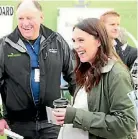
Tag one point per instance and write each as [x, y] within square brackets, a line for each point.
[76, 46]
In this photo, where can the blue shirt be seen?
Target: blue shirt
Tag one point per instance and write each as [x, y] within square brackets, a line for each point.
[33, 51]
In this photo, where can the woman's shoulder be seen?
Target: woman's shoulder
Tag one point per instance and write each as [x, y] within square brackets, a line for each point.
[119, 68]
[116, 68]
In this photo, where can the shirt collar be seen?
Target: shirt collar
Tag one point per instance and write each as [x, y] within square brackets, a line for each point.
[124, 46]
[114, 42]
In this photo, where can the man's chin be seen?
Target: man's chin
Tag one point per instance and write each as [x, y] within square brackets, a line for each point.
[115, 36]
[28, 37]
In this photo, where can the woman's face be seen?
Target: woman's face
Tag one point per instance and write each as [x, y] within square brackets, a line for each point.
[85, 45]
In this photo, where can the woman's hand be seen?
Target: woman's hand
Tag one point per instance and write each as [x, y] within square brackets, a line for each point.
[59, 114]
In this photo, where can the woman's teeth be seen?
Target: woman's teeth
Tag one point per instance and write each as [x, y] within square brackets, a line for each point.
[81, 53]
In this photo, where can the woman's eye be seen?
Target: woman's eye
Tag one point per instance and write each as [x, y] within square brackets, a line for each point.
[73, 40]
[81, 40]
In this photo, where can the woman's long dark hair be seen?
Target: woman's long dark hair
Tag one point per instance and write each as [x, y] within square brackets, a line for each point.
[89, 75]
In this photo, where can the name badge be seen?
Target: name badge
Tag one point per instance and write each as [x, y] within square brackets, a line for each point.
[37, 75]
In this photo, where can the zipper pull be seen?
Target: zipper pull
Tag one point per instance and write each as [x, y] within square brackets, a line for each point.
[45, 56]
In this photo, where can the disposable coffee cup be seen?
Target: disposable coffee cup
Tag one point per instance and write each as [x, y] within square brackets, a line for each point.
[60, 103]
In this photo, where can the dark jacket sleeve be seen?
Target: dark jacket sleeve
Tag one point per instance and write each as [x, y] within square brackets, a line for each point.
[131, 55]
[68, 70]
[119, 122]
[1, 67]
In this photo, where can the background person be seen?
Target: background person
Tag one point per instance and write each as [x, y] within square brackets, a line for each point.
[111, 20]
[130, 53]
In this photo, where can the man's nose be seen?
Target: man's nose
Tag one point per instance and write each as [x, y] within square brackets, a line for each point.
[26, 22]
[117, 27]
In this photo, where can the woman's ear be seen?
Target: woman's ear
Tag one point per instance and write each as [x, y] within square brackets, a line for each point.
[98, 43]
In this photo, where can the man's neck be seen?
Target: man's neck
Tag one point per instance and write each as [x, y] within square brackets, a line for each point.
[32, 41]
[114, 42]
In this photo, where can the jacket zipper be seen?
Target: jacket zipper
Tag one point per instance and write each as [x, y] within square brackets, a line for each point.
[30, 76]
[45, 42]
[30, 83]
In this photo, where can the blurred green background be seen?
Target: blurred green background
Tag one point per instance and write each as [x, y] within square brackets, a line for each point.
[127, 10]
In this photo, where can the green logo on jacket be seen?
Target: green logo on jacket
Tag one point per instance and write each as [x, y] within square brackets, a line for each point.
[14, 55]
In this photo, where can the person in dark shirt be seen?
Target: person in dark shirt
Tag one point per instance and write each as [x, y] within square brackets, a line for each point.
[129, 52]
[111, 20]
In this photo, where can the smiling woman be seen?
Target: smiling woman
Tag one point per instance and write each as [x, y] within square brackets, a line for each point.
[102, 108]
[92, 46]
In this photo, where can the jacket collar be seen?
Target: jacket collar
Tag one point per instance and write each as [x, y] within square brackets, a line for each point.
[15, 39]
[108, 66]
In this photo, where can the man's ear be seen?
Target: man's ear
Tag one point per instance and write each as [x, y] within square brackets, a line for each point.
[42, 17]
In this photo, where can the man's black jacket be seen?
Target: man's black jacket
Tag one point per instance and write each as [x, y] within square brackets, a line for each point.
[128, 56]
[15, 69]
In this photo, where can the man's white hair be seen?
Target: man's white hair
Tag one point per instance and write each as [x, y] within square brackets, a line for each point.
[27, 4]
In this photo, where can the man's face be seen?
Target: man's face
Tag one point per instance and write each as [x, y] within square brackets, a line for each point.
[29, 21]
[112, 24]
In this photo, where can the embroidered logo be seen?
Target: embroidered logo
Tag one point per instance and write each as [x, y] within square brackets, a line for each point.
[14, 55]
[53, 50]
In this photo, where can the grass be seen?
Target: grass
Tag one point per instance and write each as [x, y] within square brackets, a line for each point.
[2, 137]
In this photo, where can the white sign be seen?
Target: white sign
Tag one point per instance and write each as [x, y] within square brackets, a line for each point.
[68, 17]
[6, 20]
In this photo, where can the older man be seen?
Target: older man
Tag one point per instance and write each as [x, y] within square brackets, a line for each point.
[32, 58]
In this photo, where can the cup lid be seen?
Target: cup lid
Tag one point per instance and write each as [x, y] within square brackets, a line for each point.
[60, 102]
